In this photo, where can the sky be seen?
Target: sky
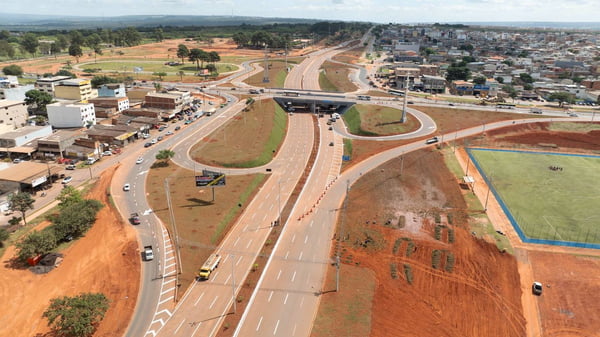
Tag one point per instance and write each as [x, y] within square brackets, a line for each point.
[381, 11]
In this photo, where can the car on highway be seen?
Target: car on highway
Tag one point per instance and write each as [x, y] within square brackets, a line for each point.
[432, 140]
[177, 128]
[147, 144]
[451, 104]
[573, 115]
[159, 138]
[139, 160]
[67, 180]
[135, 219]
[126, 187]
[154, 141]
[410, 102]
[331, 128]
[330, 143]
[168, 133]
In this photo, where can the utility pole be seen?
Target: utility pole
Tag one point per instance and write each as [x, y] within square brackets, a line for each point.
[340, 238]
[175, 232]
[403, 119]
[488, 194]
[266, 74]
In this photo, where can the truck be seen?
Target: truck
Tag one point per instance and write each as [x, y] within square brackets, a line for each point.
[209, 266]
[148, 253]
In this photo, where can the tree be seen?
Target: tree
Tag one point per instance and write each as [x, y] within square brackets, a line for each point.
[6, 49]
[4, 235]
[77, 316]
[182, 52]
[527, 86]
[36, 243]
[4, 34]
[214, 57]
[76, 37]
[76, 218]
[38, 99]
[241, 39]
[64, 72]
[500, 79]
[99, 80]
[457, 71]
[21, 202]
[479, 80]
[75, 51]
[61, 43]
[30, 43]
[160, 75]
[198, 55]
[526, 78]
[165, 155]
[13, 69]
[159, 34]
[562, 97]
[181, 73]
[69, 195]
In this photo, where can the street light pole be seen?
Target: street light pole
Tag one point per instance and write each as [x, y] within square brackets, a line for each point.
[232, 257]
[487, 195]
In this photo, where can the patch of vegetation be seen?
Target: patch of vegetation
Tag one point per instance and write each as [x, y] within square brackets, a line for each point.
[408, 273]
[450, 218]
[397, 245]
[438, 217]
[573, 127]
[436, 256]
[401, 221]
[410, 248]
[352, 120]
[234, 210]
[438, 232]
[325, 84]
[451, 235]
[77, 316]
[394, 270]
[449, 262]
[348, 147]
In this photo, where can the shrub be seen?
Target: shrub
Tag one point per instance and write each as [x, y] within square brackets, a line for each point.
[449, 262]
[435, 259]
[438, 218]
[394, 270]
[450, 218]
[13, 69]
[408, 273]
[438, 232]
[401, 221]
[451, 237]
[410, 248]
[397, 246]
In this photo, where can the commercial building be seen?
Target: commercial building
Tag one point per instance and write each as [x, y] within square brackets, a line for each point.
[167, 101]
[112, 90]
[23, 136]
[47, 84]
[11, 90]
[118, 103]
[71, 115]
[74, 89]
[13, 115]
[56, 144]
[112, 134]
[433, 84]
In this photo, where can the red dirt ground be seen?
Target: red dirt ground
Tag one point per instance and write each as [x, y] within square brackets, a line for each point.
[105, 260]
[478, 298]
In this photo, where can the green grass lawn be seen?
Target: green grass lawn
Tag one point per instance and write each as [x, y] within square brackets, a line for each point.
[376, 120]
[153, 66]
[547, 204]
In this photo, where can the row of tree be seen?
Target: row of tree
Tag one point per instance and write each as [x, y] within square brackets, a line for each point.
[76, 215]
[198, 56]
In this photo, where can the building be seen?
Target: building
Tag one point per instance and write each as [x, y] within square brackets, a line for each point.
[56, 144]
[29, 176]
[118, 103]
[168, 101]
[429, 69]
[74, 89]
[461, 88]
[15, 93]
[433, 84]
[402, 74]
[24, 135]
[112, 90]
[71, 115]
[13, 115]
[47, 84]
[113, 134]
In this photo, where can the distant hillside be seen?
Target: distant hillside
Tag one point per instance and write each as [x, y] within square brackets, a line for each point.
[27, 22]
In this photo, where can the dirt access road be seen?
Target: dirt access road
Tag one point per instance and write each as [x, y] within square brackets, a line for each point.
[105, 260]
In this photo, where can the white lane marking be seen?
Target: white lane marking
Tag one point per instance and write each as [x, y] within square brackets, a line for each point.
[166, 300]
[213, 302]
[199, 298]
[294, 331]
[294, 276]
[300, 257]
[311, 222]
[270, 295]
[286, 254]
[236, 241]
[270, 208]
[301, 302]
[239, 260]
[166, 291]
[306, 239]
[249, 243]
[279, 274]
[286, 298]
[213, 278]
[253, 216]
[276, 326]
[197, 327]
[268, 195]
[259, 323]
[293, 238]
[227, 280]
[179, 326]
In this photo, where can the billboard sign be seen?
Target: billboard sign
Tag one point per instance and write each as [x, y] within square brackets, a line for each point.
[210, 179]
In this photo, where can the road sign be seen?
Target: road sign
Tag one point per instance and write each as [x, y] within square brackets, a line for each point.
[210, 179]
[345, 158]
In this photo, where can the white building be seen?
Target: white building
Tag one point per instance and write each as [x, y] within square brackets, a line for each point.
[13, 115]
[71, 115]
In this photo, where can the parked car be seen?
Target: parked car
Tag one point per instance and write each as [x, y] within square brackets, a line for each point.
[70, 167]
[107, 153]
[154, 141]
[177, 128]
[126, 187]
[139, 160]
[537, 288]
[147, 144]
[169, 133]
[16, 160]
[67, 180]
[145, 136]
[159, 138]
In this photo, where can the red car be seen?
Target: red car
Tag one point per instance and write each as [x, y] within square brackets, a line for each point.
[135, 219]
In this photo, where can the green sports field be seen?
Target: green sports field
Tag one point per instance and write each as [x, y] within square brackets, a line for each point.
[561, 204]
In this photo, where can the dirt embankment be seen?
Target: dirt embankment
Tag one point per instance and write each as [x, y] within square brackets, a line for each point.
[105, 260]
[390, 228]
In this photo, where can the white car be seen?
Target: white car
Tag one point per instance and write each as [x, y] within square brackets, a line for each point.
[145, 136]
[126, 187]
[154, 141]
[107, 153]
[67, 180]
[139, 160]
